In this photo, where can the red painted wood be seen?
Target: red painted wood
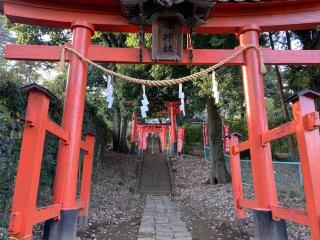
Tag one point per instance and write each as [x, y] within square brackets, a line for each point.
[261, 159]
[279, 132]
[130, 55]
[163, 137]
[58, 131]
[68, 155]
[134, 128]
[243, 146]
[172, 109]
[155, 125]
[45, 213]
[235, 170]
[29, 167]
[309, 152]
[84, 146]
[167, 112]
[79, 204]
[289, 214]
[226, 18]
[86, 175]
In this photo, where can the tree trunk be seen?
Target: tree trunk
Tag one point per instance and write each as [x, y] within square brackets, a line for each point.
[123, 145]
[218, 169]
[116, 122]
[284, 108]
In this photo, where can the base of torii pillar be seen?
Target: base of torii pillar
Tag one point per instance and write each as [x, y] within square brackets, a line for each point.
[133, 149]
[268, 229]
[174, 149]
[63, 229]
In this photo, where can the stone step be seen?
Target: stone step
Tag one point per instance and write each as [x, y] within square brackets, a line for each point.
[160, 221]
[155, 178]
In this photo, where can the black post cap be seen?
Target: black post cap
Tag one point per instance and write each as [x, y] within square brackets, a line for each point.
[37, 87]
[235, 134]
[90, 134]
[305, 92]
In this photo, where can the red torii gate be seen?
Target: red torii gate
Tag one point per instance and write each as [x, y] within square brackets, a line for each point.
[246, 20]
[172, 111]
[160, 129]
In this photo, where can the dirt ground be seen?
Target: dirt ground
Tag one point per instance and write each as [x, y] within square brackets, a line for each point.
[208, 209]
[116, 207]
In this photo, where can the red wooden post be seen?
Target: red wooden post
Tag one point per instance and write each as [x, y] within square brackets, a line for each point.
[180, 140]
[163, 139]
[145, 140]
[28, 174]
[307, 122]
[173, 133]
[86, 179]
[172, 111]
[261, 159]
[68, 155]
[141, 136]
[134, 133]
[235, 170]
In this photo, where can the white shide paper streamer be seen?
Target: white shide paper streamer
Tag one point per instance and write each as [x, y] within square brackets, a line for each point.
[181, 96]
[215, 89]
[144, 108]
[109, 92]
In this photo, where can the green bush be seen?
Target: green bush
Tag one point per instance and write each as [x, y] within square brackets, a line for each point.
[193, 136]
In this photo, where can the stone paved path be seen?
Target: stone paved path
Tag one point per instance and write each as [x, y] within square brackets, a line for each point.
[155, 177]
[160, 220]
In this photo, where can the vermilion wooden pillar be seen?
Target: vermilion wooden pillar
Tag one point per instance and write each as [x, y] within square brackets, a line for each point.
[307, 121]
[173, 111]
[134, 133]
[163, 139]
[140, 132]
[145, 139]
[261, 159]
[72, 120]
[235, 170]
[173, 134]
[28, 174]
[86, 180]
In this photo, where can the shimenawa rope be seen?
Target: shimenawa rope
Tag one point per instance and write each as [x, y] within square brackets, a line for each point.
[165, 82]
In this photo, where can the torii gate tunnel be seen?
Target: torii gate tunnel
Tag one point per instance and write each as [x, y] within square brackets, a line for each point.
[246, 20]
[172, 110]
[160, 129]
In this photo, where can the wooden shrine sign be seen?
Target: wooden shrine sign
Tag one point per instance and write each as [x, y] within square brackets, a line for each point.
[167, 39]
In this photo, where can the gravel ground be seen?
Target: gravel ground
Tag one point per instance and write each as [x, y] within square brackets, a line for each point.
[208, 209]
[116, 208]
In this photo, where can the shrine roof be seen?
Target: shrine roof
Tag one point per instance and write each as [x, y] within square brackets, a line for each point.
[109, 15]
[115, 5]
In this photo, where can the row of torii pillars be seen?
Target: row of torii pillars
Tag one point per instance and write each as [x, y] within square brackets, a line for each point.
[138, 131]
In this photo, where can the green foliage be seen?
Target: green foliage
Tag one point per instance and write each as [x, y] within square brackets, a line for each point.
[193, 136]
[27, 34]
